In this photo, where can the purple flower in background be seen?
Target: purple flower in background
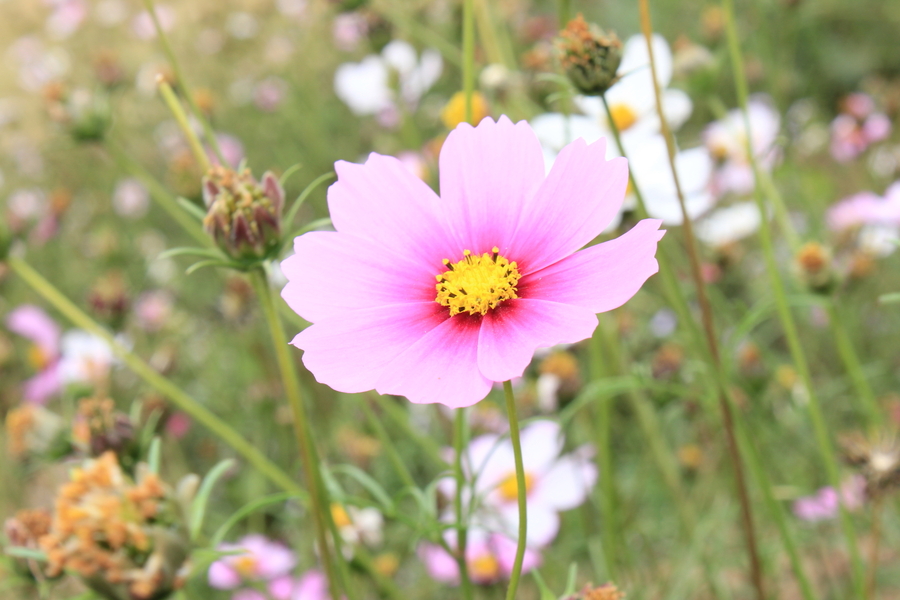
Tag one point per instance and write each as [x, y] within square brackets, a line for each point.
[857, 127]
[825, 503]
[866, 208]
[489, 558]
[35, 325]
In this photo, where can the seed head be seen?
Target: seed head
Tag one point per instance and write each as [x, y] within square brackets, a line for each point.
[814, 268]
[589, 56]
[243, 215]
[878, 461]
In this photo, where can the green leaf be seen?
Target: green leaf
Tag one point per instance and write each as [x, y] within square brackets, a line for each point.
[292, 213]
[191, 251]
[246, 510]
[191, 208]
[26, 553]
[570, 582]
[198, 506]
[153, 455]
[546, 592]
[367, 482]
[212, 263]
[891, 298]
[287, 174]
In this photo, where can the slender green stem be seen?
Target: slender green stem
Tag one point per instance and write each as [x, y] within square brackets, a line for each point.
[292, 390]
[387, 443]
[872, 579]
[182, 82]
[178, 112]
[564, 12]
[468, 44]
[462, 530]
[521, 490]
[178, 397]
[853, 366]
[820, 427]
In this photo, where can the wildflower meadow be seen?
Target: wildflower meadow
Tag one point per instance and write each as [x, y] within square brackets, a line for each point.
[471, 299]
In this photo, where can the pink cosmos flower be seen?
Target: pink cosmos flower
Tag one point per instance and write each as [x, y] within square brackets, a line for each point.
[436, 298]
[857, 127]
[824, 504]
[866, 208]
[554, 483]
[489, 558]
[261, 560]
[34, 324]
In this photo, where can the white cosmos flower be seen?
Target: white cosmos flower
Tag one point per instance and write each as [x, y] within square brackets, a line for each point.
[632, 102]
[365, 86]
[729, 224]
[85, 357]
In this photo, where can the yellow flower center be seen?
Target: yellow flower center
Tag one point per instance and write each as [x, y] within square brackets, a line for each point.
[246, 566]
[38, 358]
[454, 112]
[339, 516]
[484, 567]
[509, 487]
[623, 116]
[477, 284]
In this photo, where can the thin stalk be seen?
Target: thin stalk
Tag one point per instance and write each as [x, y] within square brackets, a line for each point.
[292, 391]
[459, 435]
[468, 48]
[178, 112]
[564, 12]
[853, 366]
[756, 574]
[165, 387]
[388, 444]
[520, 489]
[876, 547]
[182, 83]
[820, 427]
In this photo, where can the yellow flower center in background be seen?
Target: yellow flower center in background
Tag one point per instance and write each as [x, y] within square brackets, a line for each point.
[37, 358]
[509, 487]
[477, 284]
[484, 567]
[623, 116]
[340, 517]
[454, 112]
[246, 566]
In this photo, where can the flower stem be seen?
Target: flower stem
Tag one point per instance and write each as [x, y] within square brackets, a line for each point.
[179, 77]
[178, 112]
[318, 495]
[820, 427]
[725, 403]
[178, 397]
[876, 546]
[388, 444]
[459, 435]
[468, 48]
[853, 366]
[520, 488]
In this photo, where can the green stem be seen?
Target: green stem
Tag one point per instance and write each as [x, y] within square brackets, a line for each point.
[292, 391]
[178, 112]
[820, 427]
[468, 44]
[459, 440]
[853, 366]
[520, 489]
[387, 443]
[182, 82]
[178, 397]
[564, 12]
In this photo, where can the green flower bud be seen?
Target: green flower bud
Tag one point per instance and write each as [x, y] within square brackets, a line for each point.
[243, 216]
[589, 56]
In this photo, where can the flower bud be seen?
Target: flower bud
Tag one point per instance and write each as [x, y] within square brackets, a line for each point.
[99, 427]
[814, 268]
[589, 56]
[243, 216]
[607, 591]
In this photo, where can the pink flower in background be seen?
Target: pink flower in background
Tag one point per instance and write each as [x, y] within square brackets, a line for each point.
[178, 425]
[232, 149]
[489, 558]
[726, 140]
[131, 199]
[143, 27]
[825, 504]
[857, 127]
[866, 208]
[269, 93]
[312, 585]
[435, 298]
[554, 483]
[153, 309]
[66, 18]
[260, 559]
[35, 325]
[348, 30]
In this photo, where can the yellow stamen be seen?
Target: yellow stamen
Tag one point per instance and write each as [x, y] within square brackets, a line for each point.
[623, 116]
[340, 517]
[246, 565]
[484, 567]
[509, 487]
[38, 358]
[454, 112]
[477, 284]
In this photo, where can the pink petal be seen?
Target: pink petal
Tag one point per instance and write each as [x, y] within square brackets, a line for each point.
[442, 366]
[33, 323]
[331, 273]
[506, 555]
[580, 197]
[566, 485]
[223, 577]
[602, 277]
[381, 201]
[350, 352]
[488, 173]
[440, 565]
[43, 386]
[312, 586]
[514, 330]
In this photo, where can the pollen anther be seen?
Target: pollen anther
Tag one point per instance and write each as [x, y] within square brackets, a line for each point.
[477, 284]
